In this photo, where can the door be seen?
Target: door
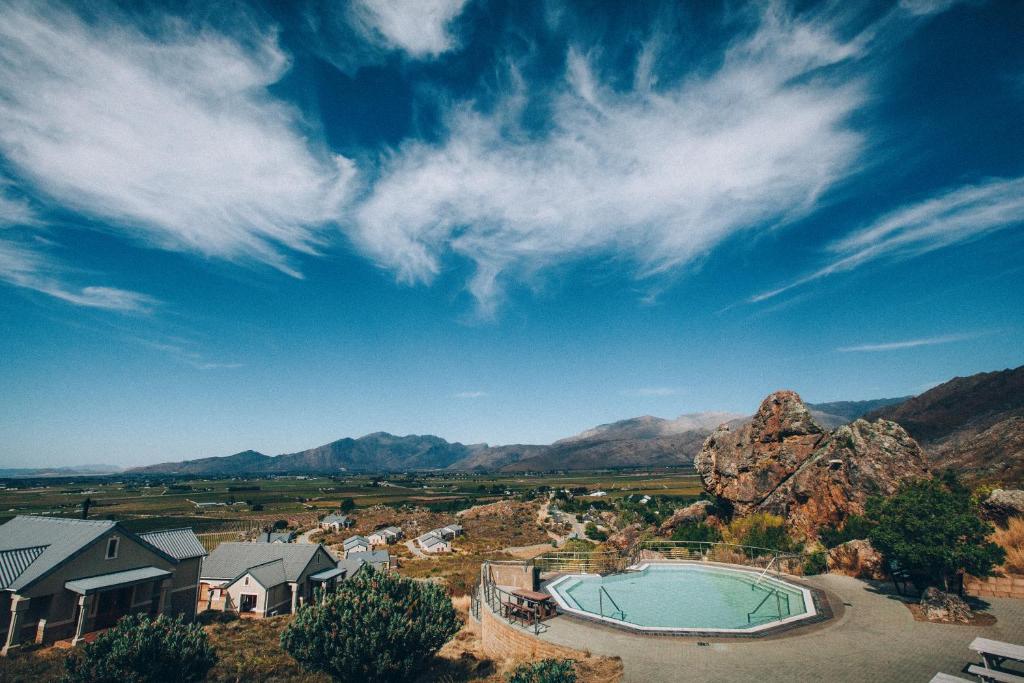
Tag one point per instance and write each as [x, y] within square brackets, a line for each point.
[247, 603]
[112, 605]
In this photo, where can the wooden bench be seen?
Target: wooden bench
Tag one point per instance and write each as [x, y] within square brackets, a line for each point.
[994, 675]
[995, 652]
[946, 678]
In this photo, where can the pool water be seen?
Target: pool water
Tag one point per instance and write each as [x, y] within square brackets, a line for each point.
[684, 596]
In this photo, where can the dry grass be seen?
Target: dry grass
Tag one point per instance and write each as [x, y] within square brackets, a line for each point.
[1011, 538]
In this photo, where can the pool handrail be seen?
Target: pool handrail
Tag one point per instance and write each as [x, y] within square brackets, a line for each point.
[600, 601]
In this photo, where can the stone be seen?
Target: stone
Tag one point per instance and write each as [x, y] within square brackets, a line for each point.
[695, 512]
[1002, 504]
[783, 463]
[625, 538]
[858, 559]
[945, 607]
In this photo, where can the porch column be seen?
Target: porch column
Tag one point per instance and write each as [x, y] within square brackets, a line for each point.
[84, 607]
[19, 605]
[164, 604]
[295, 597]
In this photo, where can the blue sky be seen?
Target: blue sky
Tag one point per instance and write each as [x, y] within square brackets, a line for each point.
[248, 226]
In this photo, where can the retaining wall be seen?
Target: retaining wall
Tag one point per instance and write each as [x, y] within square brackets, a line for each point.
[1005, 586]
[501, 640]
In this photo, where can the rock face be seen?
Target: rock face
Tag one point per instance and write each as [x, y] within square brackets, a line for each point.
[858, 559]
[1002, 504]
[695, 512]
[784, 463]
[944, 607]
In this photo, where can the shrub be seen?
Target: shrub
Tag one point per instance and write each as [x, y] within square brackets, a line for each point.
[1011, 539]
[855, 527]
[816, 563]
[544, 671]
[593, 533]
[696, 531]
[144, 650]
[761, 530]
[375, 627]
[280, 524]
[933, 530]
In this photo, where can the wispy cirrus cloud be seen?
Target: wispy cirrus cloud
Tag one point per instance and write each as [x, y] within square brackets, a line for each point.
[470, 394]
[184, 351]
[951, 217]
[422, 28]
[910, 343]
[169, 135]
[655, 176]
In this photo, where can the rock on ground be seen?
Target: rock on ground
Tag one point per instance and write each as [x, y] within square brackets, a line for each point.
[858, 559]
[695, 512]
[1002, 504]
[782, 462]
[945, 607]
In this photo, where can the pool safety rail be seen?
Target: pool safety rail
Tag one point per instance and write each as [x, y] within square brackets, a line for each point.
[602, 592]
[780, 597]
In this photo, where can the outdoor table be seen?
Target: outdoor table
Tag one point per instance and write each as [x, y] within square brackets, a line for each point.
[994, 652]
[540, 603]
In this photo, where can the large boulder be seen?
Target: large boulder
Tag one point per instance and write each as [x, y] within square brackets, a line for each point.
[1002, 504]
[858, 559]
[695, 512]
[944, 607]
[785, 464]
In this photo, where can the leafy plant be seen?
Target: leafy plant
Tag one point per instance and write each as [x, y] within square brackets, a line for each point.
[544, 671]
[1011, 539]
[144, 650]
[761, 530]
[696, 531]
[815, 563]
[376, 627]
[855, 527]
[933, 530]
[593, 533]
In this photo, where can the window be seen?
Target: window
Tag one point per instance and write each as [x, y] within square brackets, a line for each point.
[112, 544]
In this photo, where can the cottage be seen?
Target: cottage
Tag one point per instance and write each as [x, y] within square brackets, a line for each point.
[454, 529]
[276, 537]
[378, 559]
[264, 579]
[336, 523]
[62, 578]
[356, 544]
[385, 536]
[432, 542]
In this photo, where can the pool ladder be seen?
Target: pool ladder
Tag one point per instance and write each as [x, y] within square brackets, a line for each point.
[779, 597]
[600, 598]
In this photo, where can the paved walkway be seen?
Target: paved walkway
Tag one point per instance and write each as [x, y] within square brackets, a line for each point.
[875, 639]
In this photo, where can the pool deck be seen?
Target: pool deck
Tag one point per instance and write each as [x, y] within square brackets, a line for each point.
[873, 638]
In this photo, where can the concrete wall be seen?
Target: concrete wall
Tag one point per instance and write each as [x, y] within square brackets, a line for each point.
[1005, 586]
[245, 585]
[500, 640]
[185, 588]
[518, 576]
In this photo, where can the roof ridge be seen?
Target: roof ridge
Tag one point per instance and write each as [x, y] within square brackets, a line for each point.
[167, 531]
[51, 518]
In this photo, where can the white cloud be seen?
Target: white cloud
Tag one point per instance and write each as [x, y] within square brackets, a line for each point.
[952, 217]
[172, 136]
[470, 394]
[657, 176]
[419, 27]
[909, 343]
[23, 266]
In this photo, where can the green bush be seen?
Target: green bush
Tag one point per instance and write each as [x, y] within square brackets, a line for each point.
[696, 531]
[816, 563]
[933, 530]
[376, 627]
[544, 671]
[856, 527]
[143, 650]
[593, 533]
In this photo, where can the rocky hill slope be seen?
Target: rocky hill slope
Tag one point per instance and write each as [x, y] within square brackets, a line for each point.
[974, 425]
[783, 462]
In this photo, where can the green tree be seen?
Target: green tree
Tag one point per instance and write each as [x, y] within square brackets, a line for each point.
[376, 627]
[347, 505]
[696, 531]
[544, 671]
[143, 650]
[856, 527]
[933, 530]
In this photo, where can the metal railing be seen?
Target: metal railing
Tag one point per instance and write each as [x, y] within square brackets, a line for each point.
[600, 600]
[779, 596]
[495, 597]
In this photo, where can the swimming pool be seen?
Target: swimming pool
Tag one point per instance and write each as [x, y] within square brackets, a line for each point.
[682, 597]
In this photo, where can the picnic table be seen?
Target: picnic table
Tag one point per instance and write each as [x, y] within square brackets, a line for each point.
[541, 603]
[994, 653]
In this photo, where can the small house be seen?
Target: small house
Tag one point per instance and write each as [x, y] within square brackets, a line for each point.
[432, 542]
[356, 544]
[336, 523]
[378, 559]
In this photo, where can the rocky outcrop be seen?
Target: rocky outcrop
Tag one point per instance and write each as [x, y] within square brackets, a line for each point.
[695, 512]
[944, 607]
[784, 463]
[625, 538]
[1002, 504]
[858, 559]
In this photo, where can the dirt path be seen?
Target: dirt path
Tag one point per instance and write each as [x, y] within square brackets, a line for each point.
[411, 545]
[304, 536]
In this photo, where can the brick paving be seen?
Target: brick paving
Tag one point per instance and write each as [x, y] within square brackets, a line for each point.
[873, 638]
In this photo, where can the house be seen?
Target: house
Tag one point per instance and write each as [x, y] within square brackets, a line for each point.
[264, 579]
[276, 537]
[378, 559]
[455, 529]
[356, 544]
[62, 578]
[448, 532]
[336, 523]
[385, 536]
[432, 542]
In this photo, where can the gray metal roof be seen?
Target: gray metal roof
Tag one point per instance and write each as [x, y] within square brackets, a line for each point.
[181, 544]
[351, 567]
[340, 519]
[228, 561]
[116, 579]
[61, 536]
[268, 574]
[371, 556]
[328, 574]
[16, 560]
[355, 540]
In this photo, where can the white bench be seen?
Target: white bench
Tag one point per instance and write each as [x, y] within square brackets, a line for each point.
[994, 675]
[995, 652]
[946, 678]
